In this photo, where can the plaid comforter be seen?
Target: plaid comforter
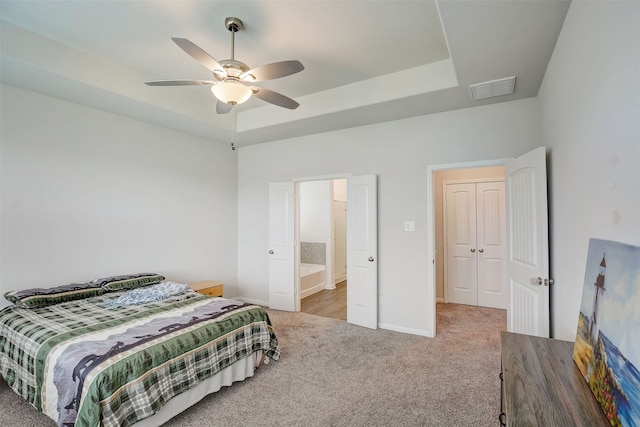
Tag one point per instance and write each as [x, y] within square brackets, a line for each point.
[87, 363]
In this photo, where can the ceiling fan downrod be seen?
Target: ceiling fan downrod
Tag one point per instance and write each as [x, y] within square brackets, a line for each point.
[234, 25]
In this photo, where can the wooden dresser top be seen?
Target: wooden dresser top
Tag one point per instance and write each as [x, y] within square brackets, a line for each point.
[543, 386]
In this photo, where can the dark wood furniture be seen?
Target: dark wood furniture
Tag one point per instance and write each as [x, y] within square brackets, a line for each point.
[542, 386]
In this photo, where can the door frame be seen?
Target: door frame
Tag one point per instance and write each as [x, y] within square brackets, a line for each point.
[431, 224]
[296, 233]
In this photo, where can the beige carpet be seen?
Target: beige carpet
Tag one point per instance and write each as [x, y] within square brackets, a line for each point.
[332, 373]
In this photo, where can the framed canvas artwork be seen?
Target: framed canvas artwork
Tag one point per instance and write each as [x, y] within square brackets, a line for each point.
[607, 347]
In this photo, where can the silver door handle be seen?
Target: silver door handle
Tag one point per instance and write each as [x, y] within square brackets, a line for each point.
[539, 281]
[271, 252]
[371, 259]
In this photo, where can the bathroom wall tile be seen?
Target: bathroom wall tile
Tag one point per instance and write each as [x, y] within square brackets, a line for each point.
[313, 253]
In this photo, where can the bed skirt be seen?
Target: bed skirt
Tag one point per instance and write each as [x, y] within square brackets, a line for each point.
[239, 371]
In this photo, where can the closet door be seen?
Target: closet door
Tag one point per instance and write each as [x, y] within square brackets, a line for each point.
[461, 260]
[475, 263]
[492, 245]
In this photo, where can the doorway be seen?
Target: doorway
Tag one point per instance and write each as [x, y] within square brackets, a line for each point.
[441, 178]
[527, 236]
[438, 175]
[322, 267]
[362, 248]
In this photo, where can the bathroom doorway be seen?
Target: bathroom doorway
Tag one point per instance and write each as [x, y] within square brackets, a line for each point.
[323, 257]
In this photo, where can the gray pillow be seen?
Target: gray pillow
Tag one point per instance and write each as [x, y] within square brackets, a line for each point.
[128, 281]
[42, 297]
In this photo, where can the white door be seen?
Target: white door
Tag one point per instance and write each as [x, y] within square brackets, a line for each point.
[461, 261]
[492, 245]
[528, 244]
[476, 244]
[282, 285]
[362, 251]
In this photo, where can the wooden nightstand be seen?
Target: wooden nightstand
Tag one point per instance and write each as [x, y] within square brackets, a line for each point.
[208, 287]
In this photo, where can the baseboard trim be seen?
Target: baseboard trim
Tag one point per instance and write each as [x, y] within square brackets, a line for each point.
[439, 299]
[252, 301]
[412, 331]
[312, 290]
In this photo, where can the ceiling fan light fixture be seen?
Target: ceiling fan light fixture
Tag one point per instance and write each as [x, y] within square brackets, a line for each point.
[231, 92]
[232, 77]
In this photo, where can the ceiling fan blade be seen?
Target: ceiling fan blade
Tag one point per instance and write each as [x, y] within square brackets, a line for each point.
[273, 71]
[275, 98]
[200, 55]
[179, 82]
[223, 107]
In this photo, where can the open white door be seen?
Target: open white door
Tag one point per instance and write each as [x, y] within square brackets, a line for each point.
[362, 251]
[281, 247]
[528, 244]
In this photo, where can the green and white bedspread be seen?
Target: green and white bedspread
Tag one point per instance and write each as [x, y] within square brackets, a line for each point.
[88, 363]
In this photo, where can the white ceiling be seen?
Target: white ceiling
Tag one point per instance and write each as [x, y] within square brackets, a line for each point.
[365, 61]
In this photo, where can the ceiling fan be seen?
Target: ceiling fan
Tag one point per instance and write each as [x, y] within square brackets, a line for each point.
[233, 79]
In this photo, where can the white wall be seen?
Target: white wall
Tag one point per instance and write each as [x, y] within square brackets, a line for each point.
[340, 190]
[398, 153]
[315, 211]
[86, 194]
[590, 105]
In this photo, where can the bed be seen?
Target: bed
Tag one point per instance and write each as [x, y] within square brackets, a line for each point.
[92, 354]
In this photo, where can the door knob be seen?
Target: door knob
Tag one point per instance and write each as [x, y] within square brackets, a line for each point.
[473, 250]
[371, 259]
[480, 250]
[271, 252]
[539, 281]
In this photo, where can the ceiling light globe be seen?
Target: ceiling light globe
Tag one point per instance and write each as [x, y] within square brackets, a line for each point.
[231, 92]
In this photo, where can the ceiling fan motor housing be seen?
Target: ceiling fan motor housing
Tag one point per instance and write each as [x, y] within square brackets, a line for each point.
[233, 68]
[233, 24]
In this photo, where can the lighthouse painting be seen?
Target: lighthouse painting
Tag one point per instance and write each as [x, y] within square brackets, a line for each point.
[607, 346]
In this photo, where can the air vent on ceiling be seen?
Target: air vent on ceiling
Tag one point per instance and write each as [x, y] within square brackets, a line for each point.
[493, 88]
